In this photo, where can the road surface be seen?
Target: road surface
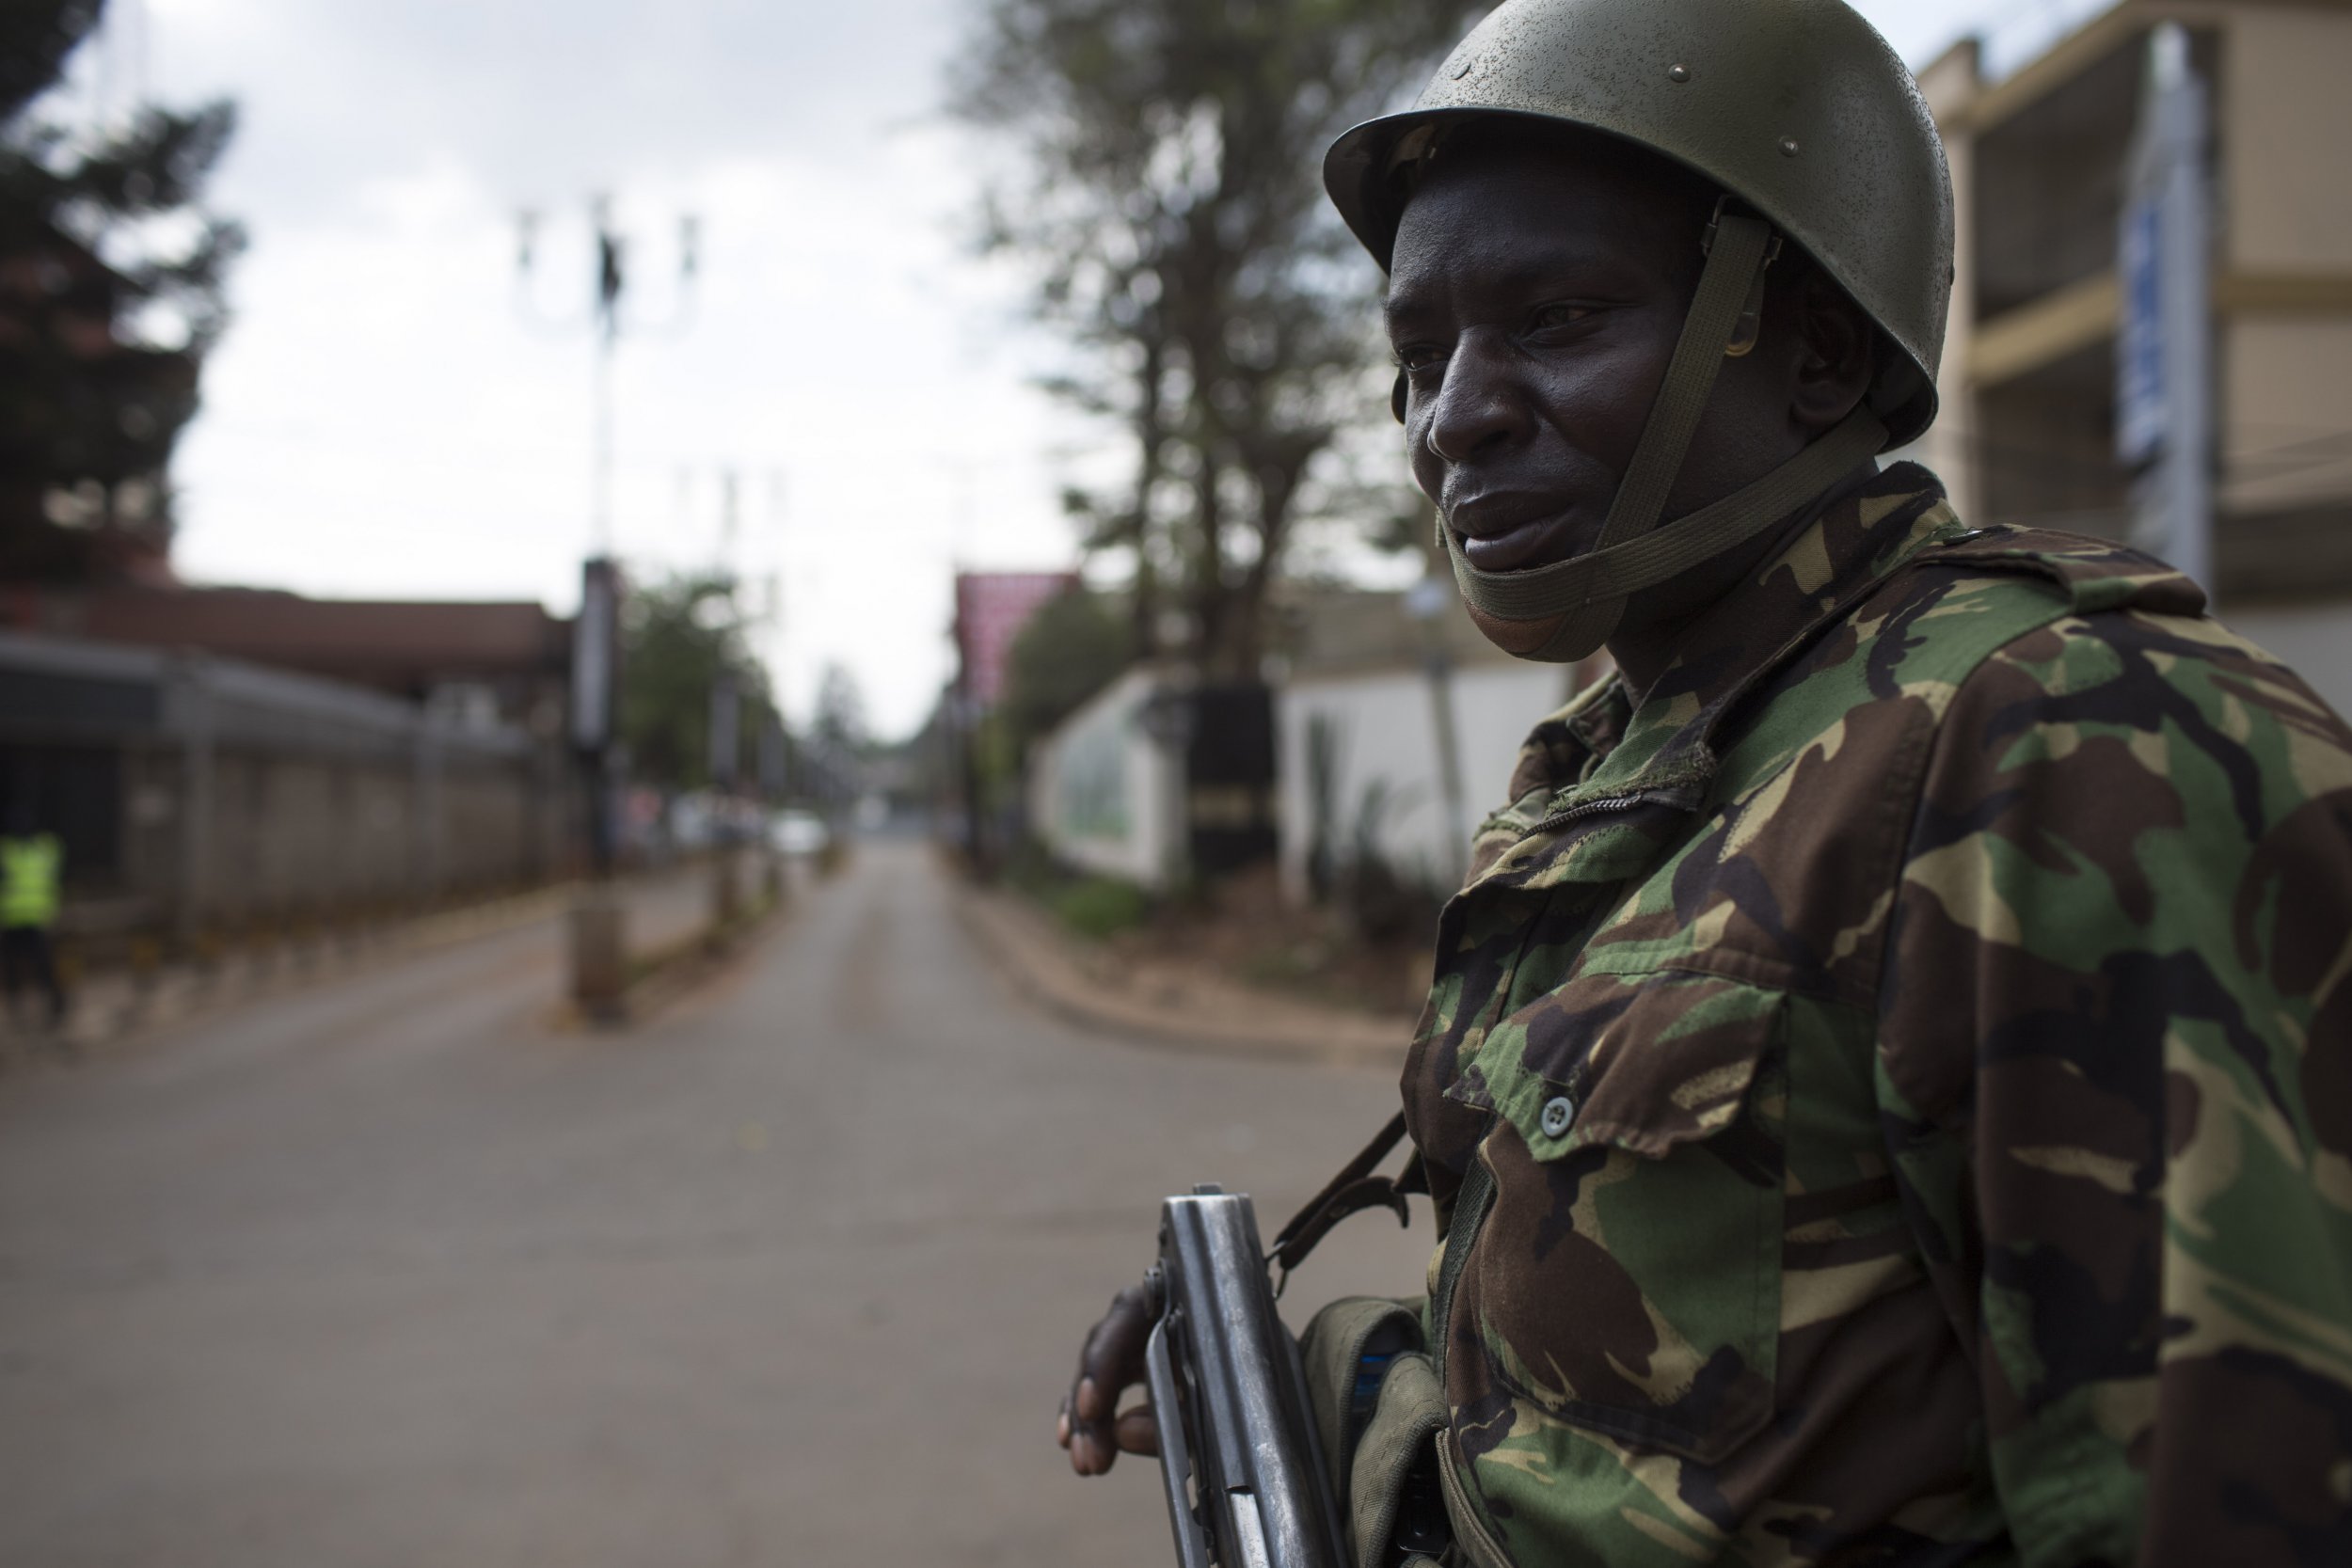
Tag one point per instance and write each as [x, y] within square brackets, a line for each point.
[392, 1271]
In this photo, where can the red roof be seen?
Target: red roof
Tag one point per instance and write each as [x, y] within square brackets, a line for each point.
[991, 609]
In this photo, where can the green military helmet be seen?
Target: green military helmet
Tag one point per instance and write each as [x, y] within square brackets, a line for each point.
[1796, 108]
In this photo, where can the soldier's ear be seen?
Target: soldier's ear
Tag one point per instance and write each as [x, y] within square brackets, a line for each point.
[1837, 354]
[1396, 397]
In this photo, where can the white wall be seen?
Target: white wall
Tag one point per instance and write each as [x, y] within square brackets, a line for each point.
[1386, 728]
[1103, 795]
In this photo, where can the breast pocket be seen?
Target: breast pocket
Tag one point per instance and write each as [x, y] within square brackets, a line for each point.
[1627, 1278]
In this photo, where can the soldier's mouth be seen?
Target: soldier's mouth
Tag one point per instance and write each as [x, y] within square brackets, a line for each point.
[1495, 541]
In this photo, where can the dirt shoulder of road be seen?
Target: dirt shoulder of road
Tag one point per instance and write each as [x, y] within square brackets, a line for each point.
[1168, 999]
[117, 1008]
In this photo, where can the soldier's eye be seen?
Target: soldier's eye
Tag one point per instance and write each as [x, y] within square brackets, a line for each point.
[1419, 356]
[1561, 315]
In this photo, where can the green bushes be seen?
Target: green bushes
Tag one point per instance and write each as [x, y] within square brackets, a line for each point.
[1100, 907]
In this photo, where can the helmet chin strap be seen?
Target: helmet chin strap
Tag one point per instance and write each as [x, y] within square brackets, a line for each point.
[1564, 612]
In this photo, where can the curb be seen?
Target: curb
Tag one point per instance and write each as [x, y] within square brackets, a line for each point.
[1183, 1009]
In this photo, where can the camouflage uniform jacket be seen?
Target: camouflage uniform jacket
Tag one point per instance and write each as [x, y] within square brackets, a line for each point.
[1911, 1053]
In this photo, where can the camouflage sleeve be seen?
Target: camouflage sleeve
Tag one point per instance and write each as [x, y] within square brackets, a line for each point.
[2116, 1076]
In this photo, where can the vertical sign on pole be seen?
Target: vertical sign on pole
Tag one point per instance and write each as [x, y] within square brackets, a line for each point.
[2163, 366]
[593, 636]
[727, 750]
[595, 675]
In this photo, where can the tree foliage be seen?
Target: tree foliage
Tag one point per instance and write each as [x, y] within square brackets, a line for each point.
[677, 637]
[111, 276]
[840, 719]
[1170, 200]
[1072, 648]
[839, 749]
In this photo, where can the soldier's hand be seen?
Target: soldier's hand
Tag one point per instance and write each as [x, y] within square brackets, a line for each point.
[1092, 1427]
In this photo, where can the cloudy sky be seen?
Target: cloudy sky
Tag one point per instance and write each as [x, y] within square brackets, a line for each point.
[392, 415]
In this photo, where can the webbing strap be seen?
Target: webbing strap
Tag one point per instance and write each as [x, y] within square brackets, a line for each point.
[1665, 552]
[1733, 263]
[1352, 1191]
[1736, 258]
[1571, 607]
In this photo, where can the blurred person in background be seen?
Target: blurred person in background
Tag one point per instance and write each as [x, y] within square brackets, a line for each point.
[31, 866]
[1888, 1087]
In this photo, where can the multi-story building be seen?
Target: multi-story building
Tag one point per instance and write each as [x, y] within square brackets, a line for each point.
[2027, 434]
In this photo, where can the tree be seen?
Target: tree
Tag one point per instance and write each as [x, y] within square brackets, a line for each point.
[840, 744]
[1170, 200]
[840, 722]
[677, 637]
[111, 275]
[1072, 648]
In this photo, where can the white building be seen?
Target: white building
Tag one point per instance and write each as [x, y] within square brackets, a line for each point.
[1359, 714]
[1104, 795]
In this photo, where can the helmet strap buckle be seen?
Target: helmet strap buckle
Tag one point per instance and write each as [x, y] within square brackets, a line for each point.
[1750, 327]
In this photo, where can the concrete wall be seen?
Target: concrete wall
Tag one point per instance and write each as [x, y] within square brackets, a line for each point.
[2286, 130]
[1950, 85]
[2286, 412]
[1385, 730]
[239, 792]
[291, 833]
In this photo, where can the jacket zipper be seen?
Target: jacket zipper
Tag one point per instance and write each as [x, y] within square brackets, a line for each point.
[1588, 808]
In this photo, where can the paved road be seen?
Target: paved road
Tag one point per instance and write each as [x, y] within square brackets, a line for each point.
[389, 1273]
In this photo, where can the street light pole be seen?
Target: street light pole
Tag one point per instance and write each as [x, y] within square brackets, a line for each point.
[599, 957]
[607, 325]
[604, 340]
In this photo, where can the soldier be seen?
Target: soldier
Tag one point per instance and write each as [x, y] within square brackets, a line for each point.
[1887, 1086]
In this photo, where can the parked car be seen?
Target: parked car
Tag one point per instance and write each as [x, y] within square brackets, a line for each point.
[796, 830]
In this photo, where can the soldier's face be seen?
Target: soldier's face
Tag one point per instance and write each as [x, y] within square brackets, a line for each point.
[1534, 302]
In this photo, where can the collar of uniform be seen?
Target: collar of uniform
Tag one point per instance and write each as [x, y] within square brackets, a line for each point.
[1602, 754]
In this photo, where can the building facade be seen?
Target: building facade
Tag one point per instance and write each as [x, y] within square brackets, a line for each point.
[2039, 157]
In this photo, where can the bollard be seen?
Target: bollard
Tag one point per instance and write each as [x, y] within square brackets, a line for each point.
[599, 951]
[726, 891]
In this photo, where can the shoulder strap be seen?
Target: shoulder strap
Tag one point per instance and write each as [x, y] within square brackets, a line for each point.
[1352, 1191]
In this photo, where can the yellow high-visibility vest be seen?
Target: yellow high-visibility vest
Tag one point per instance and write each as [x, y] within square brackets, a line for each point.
[28, 879]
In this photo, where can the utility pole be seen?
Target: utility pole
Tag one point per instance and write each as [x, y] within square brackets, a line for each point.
[600, 947]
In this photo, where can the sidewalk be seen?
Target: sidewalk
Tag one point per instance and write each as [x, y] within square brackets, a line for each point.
[115, 1006]
[1166, 1001]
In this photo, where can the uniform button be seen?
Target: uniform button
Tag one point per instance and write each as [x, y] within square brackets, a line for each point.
[1558, 1112]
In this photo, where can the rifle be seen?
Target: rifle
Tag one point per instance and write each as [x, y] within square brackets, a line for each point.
[1238, 1446]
